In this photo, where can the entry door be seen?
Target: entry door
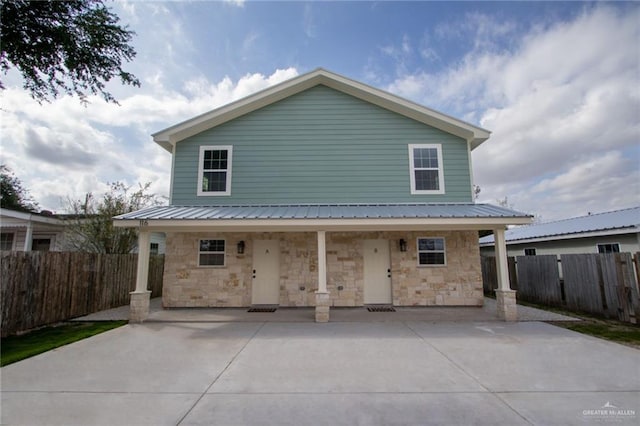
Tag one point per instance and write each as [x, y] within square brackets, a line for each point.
[266, 272]
[377, 272]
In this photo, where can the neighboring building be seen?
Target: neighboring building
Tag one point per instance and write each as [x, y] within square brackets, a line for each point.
[45, 231]
[321, 191]
[20, 231]
[610, 232]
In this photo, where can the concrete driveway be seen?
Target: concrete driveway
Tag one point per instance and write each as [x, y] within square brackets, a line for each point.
[340, 373]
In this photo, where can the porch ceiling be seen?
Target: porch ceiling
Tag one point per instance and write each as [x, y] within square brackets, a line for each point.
[329, 217]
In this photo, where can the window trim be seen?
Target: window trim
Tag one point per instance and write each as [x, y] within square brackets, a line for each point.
[443, 251]
[13, 239]
[224, 253]
[201, 170]
[412, 170]
[607, 244]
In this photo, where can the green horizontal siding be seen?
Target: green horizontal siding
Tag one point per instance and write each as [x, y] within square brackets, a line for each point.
[321, 146]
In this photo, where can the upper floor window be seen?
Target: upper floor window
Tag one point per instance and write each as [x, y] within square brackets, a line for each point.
[154, 248]
[609, 248]
[529, 252]
[427, 176]
[214, 170]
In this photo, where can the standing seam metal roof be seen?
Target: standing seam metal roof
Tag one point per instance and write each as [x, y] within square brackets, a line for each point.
[618, 219]
[322, 211]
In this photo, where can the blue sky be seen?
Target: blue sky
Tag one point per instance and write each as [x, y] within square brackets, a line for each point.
[558, 84]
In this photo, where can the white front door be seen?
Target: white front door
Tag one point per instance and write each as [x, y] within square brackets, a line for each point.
[266, 272]
[377, 272]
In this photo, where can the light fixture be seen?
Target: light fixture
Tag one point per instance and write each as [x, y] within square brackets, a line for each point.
[241, 247]
[403, 245]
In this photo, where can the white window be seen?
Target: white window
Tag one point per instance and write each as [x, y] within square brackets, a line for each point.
[427, 175]
[6, 241]
[431, 251]
[529, 252]
[214, 170]
[211, 253]
[609, 248]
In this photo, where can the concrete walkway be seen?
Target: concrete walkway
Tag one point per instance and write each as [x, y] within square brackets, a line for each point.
[435, 313]
[340, 373]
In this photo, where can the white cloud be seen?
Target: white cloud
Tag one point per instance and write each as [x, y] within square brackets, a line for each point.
[63, 149]
[238, 3]
[308, 22]
[563, 94]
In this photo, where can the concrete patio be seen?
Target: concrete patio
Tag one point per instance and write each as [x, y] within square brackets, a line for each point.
[432, 313]
[339, 373]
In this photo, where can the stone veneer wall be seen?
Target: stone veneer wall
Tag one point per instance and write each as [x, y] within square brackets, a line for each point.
[187, 285]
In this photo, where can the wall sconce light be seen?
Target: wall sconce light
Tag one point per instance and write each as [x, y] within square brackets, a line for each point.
[403, 245]
[241, 247]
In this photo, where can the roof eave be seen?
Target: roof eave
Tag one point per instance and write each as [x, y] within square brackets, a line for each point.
[284, 225]
[569, 236]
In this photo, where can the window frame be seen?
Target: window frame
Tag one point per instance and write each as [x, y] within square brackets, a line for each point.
[529, 249]
[154, 251]
[224, 253]
[413, 169]
[202, 170]
[13, 240]
[607, 244]
[443, 251]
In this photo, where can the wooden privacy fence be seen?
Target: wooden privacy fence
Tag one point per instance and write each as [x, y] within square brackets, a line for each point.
[601, 284]
[39, 288]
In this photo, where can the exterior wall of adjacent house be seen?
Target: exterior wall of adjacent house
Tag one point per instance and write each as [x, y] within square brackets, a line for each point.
[188, 285]
[320, 146]
[19, 235]
[629, 243]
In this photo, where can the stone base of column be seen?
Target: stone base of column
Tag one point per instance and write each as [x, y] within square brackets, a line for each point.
[139, 306]
[506, 303]
[322, 307]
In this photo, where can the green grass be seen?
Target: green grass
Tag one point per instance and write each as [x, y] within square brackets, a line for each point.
[17, 348]
[628, 334]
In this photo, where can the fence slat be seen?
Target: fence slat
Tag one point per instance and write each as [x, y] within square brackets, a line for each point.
[539, 279]
[40, 288]
[582, 282]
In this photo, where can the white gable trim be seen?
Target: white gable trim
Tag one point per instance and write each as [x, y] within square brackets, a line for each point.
[474, 135]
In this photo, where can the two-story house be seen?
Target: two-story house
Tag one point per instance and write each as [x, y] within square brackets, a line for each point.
[321, 191]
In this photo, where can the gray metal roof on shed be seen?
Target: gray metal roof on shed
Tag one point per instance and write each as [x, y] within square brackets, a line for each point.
[615, 220]
[322, 211]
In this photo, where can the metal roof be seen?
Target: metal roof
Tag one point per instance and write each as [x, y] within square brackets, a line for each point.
[322, 211]
[609, 221]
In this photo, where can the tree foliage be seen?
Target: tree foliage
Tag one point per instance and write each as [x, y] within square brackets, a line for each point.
[71, 46]
[92, 228]
[12, 194]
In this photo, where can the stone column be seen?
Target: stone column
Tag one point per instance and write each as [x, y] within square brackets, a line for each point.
[322, 307]
[140, 297]
[322, 296]
[505, 297]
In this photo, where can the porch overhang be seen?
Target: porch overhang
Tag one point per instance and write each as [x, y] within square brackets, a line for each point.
[296, 218]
